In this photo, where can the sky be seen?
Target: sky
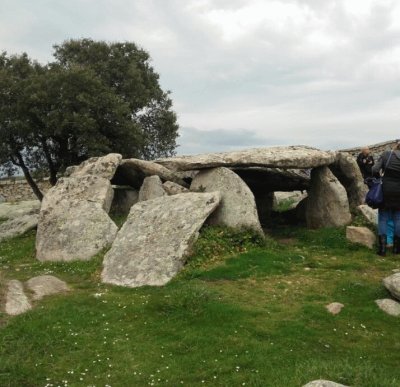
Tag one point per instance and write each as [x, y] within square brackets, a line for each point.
[244, 73]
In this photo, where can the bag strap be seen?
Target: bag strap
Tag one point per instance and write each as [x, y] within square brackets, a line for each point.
[387, 163]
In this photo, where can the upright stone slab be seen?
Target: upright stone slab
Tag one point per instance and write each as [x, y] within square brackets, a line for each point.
[153, 244]
[238, 207]
[299, 157]
[73, 220]
[17, 301]
[327, 203]
[152, 188]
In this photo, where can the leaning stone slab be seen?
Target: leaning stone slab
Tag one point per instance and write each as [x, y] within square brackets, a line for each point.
[370, 214]
[153, 244]
[45, 285]
[389, 306]
[151, 188]
[17, 226]
[392, 283]
[299, 157]
[104, 167]
[172, 188]
[16, 210]
[323, 383]
[73, 230]
[17, 301]
[361, 235]
[238, 207]
[327, 203]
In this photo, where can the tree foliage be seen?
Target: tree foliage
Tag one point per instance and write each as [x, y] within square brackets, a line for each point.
[95, 98]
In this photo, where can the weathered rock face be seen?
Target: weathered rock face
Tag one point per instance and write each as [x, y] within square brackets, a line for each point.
[17, 226]
[347, 171]
[17, 301]
[238, 208]
[153, 244]
[389, 306]
[124, 198]
[104, 167]
[73, 230]
[362, 235]
[152, 188]
[133, 172]
[392, 283]
[46, 285]
[172, 188]
[292, 198]
[369, 213]
[323, 383]
[300, 157]
[16, 210]
[327, 203]
[73, 220]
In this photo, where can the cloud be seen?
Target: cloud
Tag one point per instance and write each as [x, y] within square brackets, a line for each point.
[325, 73]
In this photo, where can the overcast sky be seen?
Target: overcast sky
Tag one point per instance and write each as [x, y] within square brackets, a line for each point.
[245, 73]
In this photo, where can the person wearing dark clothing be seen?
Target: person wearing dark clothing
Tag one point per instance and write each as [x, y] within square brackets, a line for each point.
[389, 165]
[365, 162]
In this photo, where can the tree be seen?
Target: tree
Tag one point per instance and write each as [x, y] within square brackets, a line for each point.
[95, 98]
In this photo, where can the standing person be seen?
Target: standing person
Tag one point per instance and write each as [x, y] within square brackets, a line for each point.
[365, 162]
[389, 165]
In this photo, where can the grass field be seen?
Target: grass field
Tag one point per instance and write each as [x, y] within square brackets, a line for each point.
[242, 313]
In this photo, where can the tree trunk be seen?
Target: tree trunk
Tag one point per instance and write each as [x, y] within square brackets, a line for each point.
[28, 176]
[50, 163]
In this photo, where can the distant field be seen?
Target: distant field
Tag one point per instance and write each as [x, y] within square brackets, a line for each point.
[243, 312]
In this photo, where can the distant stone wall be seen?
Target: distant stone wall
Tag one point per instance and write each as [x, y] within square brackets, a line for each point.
[12, 190]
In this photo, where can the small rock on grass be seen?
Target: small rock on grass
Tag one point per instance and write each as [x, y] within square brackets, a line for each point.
[45, 285]
[334, 308]
[389, 306]
[392, 283]
[16, 300]
[323, 383]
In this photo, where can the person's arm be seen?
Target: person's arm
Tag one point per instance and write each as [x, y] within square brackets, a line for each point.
[359, 161]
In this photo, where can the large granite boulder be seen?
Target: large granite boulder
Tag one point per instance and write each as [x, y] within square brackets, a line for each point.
[18, 226]
[238, 207]
[16, 210]
[73, 230]
[152, 188]
[73, 220]
[104, 167]
[133, 171]
[45, 285]
[392, 283]
[299, 157]
[361, 235]
[327, 203]
[348, 172]
[16, 301]
[153, 244]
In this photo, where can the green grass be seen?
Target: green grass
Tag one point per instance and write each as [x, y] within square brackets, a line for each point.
[243, 312]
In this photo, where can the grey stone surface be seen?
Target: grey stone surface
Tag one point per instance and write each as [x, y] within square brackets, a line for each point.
[323, 383]
[152, 188]
[389, 306]
[334, 308]
[73, 230]
[300, 157]
[293, 197]
[18, 226]
[238, 207]
[124, 199]
[17, 301]
[172, 188]
[348, 172]
[45, 285]
[370, 214]
[104, 167]
[392, 283]
[361, 235]
[16, 210]
[153, 244]
[327, 203]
